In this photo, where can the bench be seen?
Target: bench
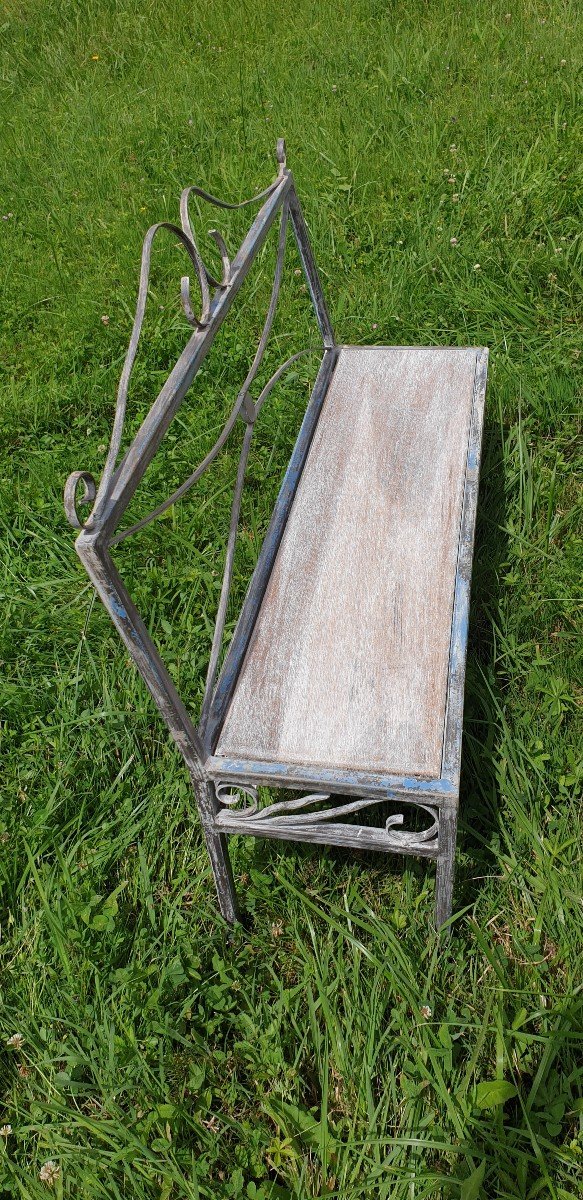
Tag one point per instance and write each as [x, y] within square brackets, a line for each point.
[343, 682]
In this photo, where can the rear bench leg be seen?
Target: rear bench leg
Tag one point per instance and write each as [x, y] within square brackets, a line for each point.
[216, 844]
[445, 865]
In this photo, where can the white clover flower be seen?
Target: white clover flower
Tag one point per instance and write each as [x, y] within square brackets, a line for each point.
[49, 1173]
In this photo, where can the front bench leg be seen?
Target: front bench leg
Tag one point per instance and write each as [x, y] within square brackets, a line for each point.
[445, 866]
[216, 844]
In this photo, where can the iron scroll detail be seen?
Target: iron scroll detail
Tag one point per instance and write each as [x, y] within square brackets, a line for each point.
[71, 499]
[98, 496]
[105, 502]
[303, 811]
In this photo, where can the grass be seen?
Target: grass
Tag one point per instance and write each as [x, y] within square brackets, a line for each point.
[334, 1049]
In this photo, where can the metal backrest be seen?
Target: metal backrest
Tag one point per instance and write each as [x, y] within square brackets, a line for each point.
[121, 477]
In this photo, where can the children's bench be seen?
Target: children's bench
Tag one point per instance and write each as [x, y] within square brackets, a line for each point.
[344, 678]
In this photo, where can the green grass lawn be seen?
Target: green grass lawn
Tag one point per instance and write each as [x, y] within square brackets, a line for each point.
[336, 1048]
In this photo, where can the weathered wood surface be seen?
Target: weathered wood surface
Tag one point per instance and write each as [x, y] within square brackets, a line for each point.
[347, 665]
[231, 666]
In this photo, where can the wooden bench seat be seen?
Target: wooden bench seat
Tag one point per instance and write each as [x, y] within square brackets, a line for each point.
[347, 665]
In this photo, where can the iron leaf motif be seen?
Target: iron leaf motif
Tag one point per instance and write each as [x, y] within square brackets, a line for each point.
[292, 813]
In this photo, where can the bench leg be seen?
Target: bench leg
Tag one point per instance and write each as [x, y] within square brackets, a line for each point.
[445, 866]
[216, 844]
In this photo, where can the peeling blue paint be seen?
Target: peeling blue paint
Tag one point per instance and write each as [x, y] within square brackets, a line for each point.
[118, 608]
[388, 784]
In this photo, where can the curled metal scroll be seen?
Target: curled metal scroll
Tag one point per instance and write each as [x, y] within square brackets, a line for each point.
[122, 391]
[231, 798]
[289, 813]
[71, 499]
[407, 837]
[206, 281]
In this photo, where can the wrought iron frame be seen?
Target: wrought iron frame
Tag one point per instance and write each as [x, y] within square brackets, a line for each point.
[220, 783]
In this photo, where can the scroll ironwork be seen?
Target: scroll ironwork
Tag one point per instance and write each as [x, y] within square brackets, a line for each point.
[81, 489]
[305, 811]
